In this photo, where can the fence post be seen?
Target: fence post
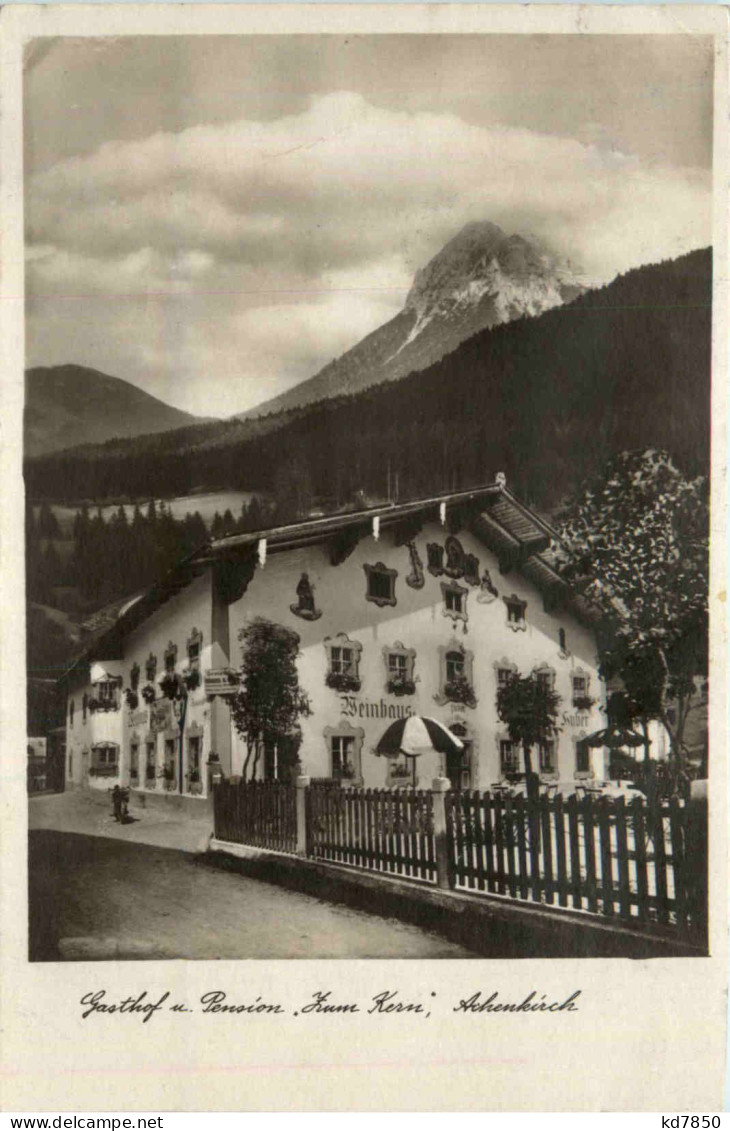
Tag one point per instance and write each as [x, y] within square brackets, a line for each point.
[444, 870]
[696, 878]
[302, 783]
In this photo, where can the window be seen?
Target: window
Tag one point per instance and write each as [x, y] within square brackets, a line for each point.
[106, 691]
[168, 770]
[71, 709]
[344, 750]
[582, 757]
[399, 664]
[380, 584]
[194, 777]
[547, 757]
[562, 643]
[516, 613]
[150, 667]
[104, 760]
[456, 675]
[454, 665]
[545, 676]
[134, 676]
[195, 648]
[343, 753]
[343, 663]
[151, 766]
[581, 685]
[134, 760]
[84, 706]
[454, 600]
[509, 762]
[170, 657]
[504, 675]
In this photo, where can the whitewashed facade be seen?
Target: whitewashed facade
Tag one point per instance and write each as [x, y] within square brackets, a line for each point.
[397, 611]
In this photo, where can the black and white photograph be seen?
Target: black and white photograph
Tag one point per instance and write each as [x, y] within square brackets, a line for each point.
[366, 460]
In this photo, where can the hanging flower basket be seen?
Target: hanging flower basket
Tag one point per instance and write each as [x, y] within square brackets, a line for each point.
[170, 686]
[148, 693]
[342, 681]
[192, 679]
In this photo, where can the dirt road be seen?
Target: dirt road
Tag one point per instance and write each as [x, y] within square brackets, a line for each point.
[93, 897]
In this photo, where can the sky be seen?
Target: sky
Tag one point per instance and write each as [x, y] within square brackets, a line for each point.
[214, 218]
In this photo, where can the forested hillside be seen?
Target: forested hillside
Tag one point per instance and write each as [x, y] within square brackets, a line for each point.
[546, 400]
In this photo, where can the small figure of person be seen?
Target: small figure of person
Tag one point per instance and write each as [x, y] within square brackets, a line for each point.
[117, 799]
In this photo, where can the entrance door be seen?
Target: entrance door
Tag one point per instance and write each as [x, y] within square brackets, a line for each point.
[458, 766]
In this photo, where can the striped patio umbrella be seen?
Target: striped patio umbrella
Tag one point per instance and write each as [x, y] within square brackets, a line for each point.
[615, 737]
[417, 735]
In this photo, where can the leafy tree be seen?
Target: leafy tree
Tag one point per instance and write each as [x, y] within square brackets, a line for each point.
[636, 545]
[529, 709]
[267, 708]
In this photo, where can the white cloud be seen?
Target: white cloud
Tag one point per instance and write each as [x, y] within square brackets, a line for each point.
[307, 229]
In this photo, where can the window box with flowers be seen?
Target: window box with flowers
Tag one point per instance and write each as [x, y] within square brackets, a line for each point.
[583, 703]
[343, 663]
[399, 664]
[459, 690]
[132, 698]
[400, 771]
[456, 675]
[106, 695]
[148, 693]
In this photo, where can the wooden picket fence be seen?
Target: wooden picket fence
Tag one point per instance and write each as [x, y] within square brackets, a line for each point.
[262, 814]
[628, 862]
[380, 829]
[603, 856]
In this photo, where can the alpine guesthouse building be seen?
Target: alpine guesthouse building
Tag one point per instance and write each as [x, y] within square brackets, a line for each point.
[416, 608]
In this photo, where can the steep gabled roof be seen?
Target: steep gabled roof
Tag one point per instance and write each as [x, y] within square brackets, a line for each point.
[516, 533]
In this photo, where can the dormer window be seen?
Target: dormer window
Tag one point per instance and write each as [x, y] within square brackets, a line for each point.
[380, 584]
[454, 600]
[170, 658]
[516, 613]
[150, 667]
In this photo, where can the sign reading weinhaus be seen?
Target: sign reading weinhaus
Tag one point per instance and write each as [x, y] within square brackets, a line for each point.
[356, 708]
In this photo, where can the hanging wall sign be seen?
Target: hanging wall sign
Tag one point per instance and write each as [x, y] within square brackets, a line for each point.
[161, 716]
